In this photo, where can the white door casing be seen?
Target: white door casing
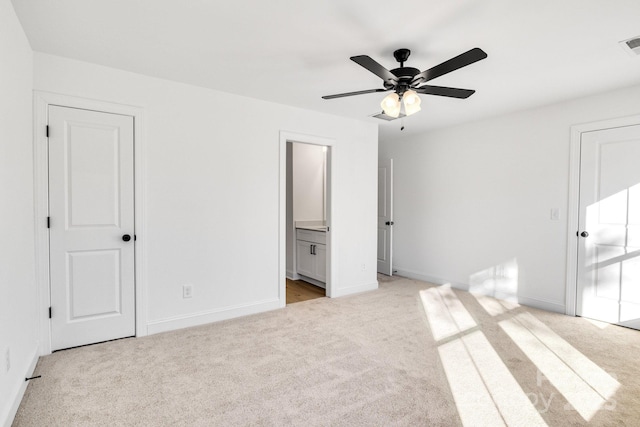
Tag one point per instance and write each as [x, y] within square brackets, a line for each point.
[385, 216]
[608, 259]
[91, 205]
[293, 137]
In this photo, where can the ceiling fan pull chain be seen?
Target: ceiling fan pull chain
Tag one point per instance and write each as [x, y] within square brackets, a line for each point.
[402, 123]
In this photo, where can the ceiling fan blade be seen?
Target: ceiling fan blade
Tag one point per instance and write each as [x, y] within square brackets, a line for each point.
[360, 92]
[377, 69]
[462, 60]
[451, 92]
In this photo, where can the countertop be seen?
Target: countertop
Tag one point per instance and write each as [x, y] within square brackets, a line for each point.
[322, 228]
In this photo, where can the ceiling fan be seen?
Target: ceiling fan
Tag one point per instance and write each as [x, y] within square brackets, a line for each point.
[405, 81]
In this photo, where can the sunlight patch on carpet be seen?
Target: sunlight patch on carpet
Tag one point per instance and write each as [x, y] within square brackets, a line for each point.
[495, 307]
[585, 385]
[445, 312]
[484, 390]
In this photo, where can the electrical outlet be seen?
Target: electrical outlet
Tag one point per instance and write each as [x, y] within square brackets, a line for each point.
[7, 360]
[555, 214]
[364, 267]
[187, 291]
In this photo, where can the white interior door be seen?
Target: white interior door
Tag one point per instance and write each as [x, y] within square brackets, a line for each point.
[385, 216]
[91, 206]
[609, 222]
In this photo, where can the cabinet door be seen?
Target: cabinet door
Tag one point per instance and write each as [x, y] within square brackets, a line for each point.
[304, 259]
[320, 263]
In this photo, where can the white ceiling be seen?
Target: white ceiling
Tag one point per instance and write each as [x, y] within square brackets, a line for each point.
[294, 51]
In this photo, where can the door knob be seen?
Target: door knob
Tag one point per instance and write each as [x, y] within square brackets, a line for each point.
[389, 223]
[584, 234]
[126, 237]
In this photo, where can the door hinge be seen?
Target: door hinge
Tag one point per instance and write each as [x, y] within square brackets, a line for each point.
[47, 131]
[49, 312]
[48, 222]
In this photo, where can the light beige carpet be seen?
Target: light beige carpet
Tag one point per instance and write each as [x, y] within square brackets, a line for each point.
[408, 354]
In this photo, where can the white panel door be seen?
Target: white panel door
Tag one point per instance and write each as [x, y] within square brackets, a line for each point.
[91, 205]
[385, 216]
[609, 221]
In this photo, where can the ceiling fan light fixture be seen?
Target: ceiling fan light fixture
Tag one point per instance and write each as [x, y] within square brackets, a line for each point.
[411, 102]
[391, 105]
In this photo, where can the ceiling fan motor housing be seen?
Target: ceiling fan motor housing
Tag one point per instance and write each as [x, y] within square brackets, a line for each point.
[405, 77]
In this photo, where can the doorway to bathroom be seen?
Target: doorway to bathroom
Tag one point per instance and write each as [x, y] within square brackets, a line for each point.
[307, 221]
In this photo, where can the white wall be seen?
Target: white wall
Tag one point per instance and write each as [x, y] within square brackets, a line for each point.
[212, 187]
[308, 182]
[18, 298]
[472, 202]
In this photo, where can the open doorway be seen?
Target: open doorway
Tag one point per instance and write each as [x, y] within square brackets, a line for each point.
[307, 221]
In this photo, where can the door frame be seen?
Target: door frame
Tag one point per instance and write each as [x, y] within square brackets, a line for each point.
[41, 102]
[574, 201]
[287, 136]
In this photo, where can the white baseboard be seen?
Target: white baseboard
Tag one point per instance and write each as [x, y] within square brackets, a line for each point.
[354, 289]
[210, 316]
[430, 279]
[19, 393]
[292, 275]
[542, 304]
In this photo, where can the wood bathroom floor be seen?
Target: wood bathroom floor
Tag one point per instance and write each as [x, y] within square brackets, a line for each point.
[299, 290]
